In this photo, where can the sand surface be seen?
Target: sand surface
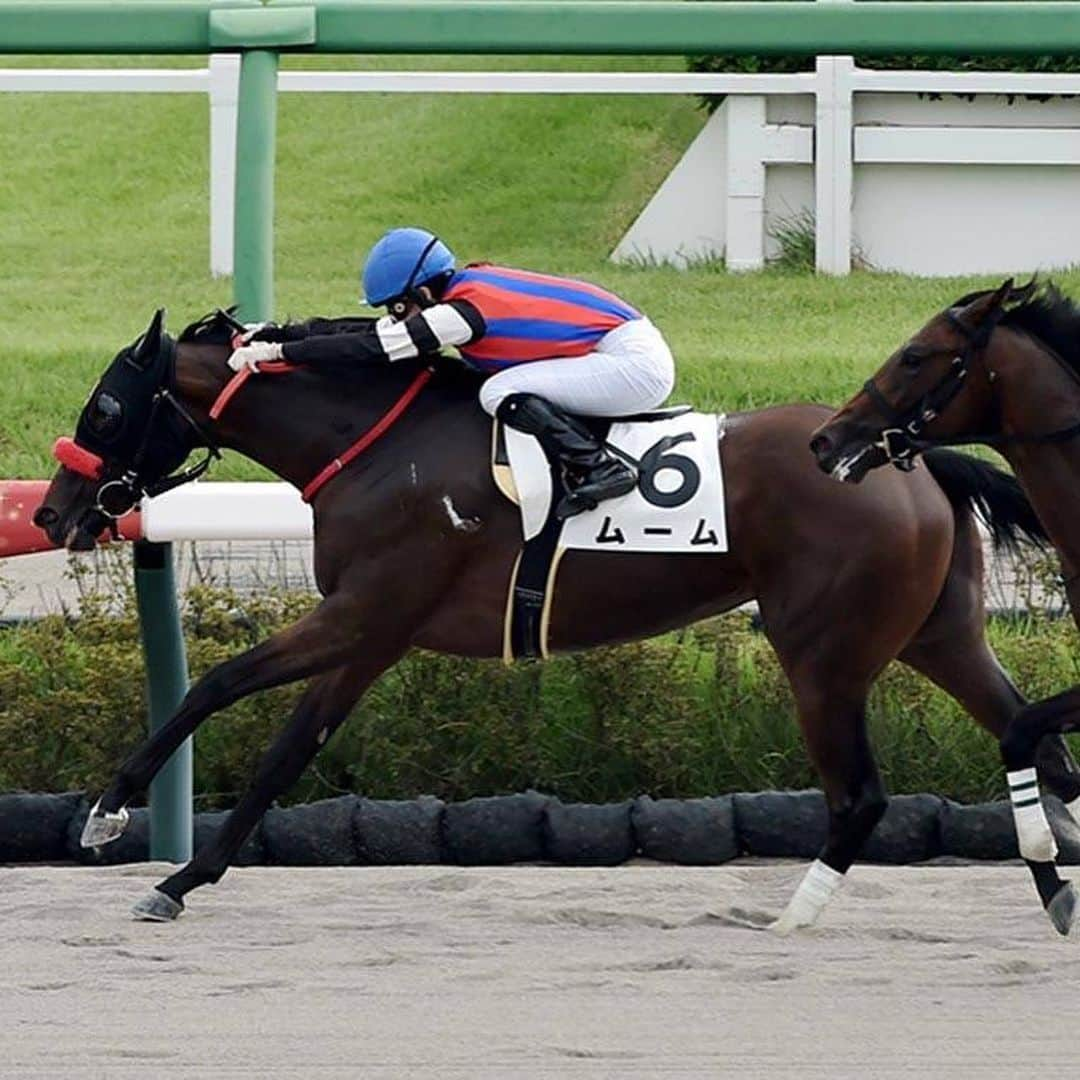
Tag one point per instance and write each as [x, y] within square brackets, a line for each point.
[527, 972]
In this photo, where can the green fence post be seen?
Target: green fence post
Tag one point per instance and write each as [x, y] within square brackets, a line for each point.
[253, 236]
[166, 679]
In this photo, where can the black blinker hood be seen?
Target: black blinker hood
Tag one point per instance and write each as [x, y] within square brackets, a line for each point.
[130, 383]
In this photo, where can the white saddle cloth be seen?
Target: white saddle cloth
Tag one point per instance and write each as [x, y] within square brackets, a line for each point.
[678, 505]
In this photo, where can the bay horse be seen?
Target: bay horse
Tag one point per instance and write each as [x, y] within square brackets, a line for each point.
[414, 547]
[999, 367]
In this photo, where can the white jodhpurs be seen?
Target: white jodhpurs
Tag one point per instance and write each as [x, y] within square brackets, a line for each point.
[631, 370]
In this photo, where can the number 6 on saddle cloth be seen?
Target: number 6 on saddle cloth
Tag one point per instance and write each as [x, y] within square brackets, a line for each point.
[677, 508]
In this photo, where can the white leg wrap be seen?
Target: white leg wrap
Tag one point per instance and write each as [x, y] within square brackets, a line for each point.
[813, 893]
[1074, 810]
[1033, 834]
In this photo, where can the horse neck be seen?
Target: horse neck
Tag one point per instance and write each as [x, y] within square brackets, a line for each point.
[1038, 394]
[292, 424]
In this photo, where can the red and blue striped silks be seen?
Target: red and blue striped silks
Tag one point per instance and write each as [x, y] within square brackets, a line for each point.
[534, 316]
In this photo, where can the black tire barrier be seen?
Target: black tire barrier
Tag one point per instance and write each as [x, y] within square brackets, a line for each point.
[695, 832]
[909, 831]
[531, 827]
[584, 834]
[781, 823]
[33, 828]
[314, 834]
[494, 831]
[398, 833]
[982, 831]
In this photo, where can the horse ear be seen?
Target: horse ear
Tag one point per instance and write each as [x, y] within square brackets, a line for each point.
[1022, 293]
[986, 304]
[150, 343]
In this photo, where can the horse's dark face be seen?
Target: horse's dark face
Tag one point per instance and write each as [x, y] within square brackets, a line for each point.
[68, 514]
[930, 386]
[116, 446]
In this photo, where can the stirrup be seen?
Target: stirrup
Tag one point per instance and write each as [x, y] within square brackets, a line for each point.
[573, 504]
[588, 495]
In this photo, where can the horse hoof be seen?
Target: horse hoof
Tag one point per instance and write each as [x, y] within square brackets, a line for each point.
[157, 907]
[1062, 909]
[103, 827]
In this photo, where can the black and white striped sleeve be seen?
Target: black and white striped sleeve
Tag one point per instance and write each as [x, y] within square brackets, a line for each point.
[455, 323]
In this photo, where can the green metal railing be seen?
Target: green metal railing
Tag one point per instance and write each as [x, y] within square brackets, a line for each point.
[261, 31]
[538, 26]
[166, 666]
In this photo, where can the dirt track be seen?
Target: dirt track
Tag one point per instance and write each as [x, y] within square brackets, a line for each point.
[527, 972]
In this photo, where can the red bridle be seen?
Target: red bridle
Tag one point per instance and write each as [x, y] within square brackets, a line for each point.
[380, 428]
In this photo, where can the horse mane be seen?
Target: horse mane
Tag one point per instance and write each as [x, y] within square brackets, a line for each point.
[1047, 314]
[217, 328]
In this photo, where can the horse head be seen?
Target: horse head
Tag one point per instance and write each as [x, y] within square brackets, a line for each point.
[914, 401]
[130, 436]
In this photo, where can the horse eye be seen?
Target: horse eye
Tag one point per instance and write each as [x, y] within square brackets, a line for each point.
[910, 360]
[106, 414]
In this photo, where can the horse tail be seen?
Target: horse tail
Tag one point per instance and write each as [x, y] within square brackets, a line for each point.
[994, 495]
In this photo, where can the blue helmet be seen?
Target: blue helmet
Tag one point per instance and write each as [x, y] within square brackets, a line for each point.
[400, 261]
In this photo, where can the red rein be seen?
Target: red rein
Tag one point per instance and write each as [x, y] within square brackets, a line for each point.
[370, 436]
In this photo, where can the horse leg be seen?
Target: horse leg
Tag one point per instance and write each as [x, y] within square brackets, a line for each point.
[324, 706]
[951, 650]
[320, 641]
[1019, 748]
[834, 727]
[969, 672]
[834, 628]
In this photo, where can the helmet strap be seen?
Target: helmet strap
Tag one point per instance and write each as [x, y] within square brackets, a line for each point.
[411, 294]
[408, 290]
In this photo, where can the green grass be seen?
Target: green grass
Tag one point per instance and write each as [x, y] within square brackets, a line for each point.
[103, 217]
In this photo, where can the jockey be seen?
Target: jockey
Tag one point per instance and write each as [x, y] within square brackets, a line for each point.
[552, 346]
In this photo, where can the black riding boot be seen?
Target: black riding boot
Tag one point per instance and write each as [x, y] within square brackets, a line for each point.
[592, 474]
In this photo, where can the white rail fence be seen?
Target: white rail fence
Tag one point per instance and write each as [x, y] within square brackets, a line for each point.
[945, 207]
[733, 153]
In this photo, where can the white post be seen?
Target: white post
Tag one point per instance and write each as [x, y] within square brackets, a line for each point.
[745, 186]
[224, 90]
[833, 165]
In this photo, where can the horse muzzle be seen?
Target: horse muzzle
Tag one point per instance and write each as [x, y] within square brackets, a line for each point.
[847, 460]
[80, 535]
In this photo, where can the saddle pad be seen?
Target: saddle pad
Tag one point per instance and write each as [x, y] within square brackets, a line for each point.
[678, 505]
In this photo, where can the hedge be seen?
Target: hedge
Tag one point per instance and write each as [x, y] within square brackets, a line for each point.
[698, 713]
[896, 62]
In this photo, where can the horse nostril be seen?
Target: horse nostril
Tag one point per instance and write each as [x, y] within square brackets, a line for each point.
[45, 516]
[820, 445]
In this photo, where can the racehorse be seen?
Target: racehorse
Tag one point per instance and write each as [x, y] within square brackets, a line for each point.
[414, 547]
[1000, 367]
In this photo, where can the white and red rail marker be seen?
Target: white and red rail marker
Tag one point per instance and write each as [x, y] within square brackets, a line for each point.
[212, 511]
